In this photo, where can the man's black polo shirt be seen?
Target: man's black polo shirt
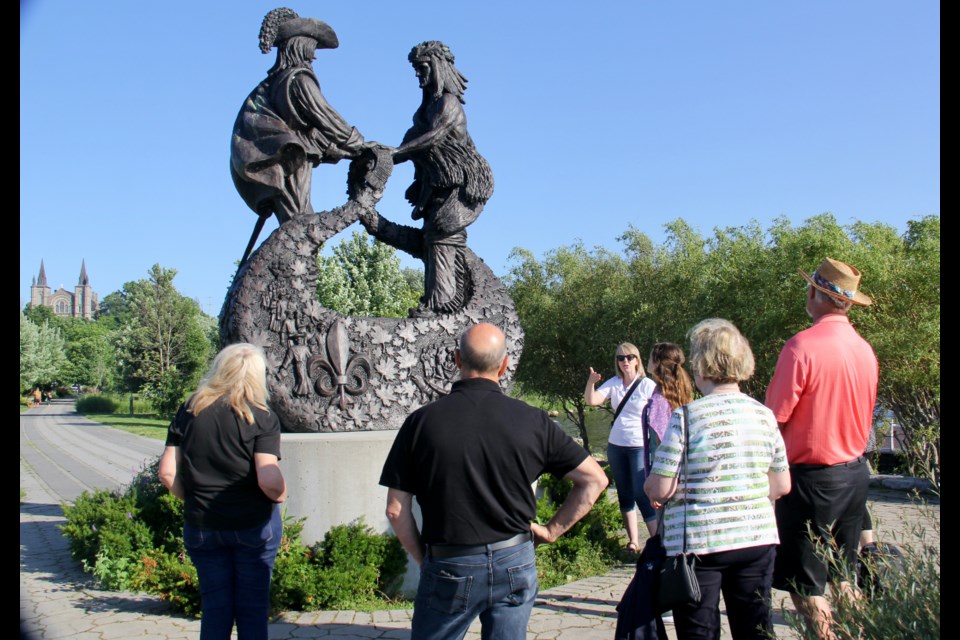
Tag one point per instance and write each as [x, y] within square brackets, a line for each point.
[470, 459]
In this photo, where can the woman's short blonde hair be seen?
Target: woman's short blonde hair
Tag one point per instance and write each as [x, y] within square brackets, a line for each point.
[239, 374]
[719, 352]
[629, 347]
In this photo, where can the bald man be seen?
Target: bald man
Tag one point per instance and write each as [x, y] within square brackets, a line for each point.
[470, 459]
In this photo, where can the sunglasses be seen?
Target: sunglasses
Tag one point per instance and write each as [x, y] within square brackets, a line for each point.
[626, 358]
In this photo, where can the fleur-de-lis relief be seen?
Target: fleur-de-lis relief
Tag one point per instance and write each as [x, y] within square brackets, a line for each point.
[339, 373]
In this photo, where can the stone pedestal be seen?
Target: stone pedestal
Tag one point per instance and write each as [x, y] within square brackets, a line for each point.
[333, 478]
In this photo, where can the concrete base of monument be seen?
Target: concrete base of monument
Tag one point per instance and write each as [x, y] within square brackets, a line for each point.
[333, 478]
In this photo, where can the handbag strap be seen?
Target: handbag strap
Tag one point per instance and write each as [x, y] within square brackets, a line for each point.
[684, 423]
[683, 471]
[623, 400]
[645, 421]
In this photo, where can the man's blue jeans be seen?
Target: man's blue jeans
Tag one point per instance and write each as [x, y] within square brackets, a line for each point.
[498, 586]
[234, 568]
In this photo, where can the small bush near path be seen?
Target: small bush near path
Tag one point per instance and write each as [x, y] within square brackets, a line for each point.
[96, 404]
[121, 403]
[133, 541]
[902, 602]
[352, 568]
[590, 548]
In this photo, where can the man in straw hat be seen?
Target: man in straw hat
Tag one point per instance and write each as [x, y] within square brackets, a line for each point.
[822, 394]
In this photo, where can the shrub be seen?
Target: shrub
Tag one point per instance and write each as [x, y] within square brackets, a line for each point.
[357, 565]
[133, 540]
[104, 521]
[141, 406]
[590, 547]
[904, 601]
[921, 454]
[352, 568]
[171, 576]
[293, 586]
[121, 401]
[96, 404]
[160, 510]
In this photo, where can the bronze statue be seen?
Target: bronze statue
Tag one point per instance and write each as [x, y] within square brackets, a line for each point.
[452, 182]
[286, 127]
[329, 372]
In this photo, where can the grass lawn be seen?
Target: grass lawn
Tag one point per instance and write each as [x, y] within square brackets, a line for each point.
[141, 424]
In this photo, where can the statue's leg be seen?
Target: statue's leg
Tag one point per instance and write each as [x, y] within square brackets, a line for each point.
[445, 280]
[294, 200]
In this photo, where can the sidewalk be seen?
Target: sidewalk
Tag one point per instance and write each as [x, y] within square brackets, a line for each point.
[62, 454]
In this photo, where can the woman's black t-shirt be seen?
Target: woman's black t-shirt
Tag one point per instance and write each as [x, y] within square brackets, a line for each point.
[217, 469]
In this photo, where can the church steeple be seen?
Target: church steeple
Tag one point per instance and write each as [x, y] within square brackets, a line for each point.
[82, 303]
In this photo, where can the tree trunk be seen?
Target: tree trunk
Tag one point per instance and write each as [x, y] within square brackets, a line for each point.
[578, 416]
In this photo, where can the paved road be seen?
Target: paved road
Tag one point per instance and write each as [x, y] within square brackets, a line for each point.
[62, 455]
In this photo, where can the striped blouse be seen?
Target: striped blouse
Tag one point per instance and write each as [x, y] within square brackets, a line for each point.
[734, 443]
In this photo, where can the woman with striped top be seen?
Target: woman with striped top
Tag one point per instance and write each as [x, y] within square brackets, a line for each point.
[736, 467]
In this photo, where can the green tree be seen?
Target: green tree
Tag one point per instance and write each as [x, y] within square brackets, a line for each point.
[164, 342]
[90, 354]
[904, 328]
[571, 306]
[363, 278]
[115, 310]
[43, 314]
[575, 305]
[41, 354]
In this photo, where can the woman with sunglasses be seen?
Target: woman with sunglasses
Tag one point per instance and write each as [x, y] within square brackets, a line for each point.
[628, 393]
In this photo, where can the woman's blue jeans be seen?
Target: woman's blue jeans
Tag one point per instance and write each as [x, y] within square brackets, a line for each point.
[234, 568]
[628, 476]
[499, 587]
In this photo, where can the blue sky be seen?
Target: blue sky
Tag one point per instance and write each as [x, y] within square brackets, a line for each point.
[593, 117]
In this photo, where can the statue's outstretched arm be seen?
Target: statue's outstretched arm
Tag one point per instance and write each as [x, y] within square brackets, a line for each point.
[398, 236]
[317, 112]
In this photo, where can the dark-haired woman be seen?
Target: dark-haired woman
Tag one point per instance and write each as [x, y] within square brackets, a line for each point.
[674, 389]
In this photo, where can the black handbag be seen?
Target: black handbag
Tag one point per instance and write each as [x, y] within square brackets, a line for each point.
[678, 583]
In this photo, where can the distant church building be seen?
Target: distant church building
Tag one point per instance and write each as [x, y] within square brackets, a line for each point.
[82, 302]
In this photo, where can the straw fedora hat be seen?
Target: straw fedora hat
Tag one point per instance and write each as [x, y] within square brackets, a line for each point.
[838, 280]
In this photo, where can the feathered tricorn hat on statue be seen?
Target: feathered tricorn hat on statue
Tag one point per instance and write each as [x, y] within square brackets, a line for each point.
[282, 24]
[838, 280]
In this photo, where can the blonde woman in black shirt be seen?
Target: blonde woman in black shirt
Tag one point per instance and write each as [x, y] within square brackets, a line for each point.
[222, 458]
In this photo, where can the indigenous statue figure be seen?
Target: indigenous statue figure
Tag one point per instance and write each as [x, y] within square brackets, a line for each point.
[452, 182]
[286, 127]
